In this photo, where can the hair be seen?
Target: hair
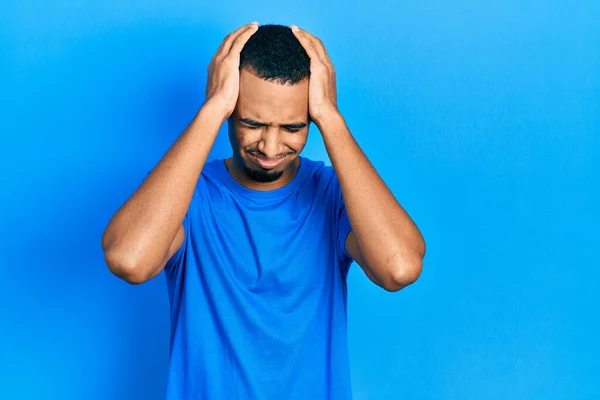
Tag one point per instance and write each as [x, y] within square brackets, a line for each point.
[274, 53]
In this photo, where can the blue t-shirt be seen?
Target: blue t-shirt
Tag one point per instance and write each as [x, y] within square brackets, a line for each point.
[258, 290]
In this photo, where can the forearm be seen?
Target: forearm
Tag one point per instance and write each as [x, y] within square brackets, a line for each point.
[388, 239]
[141, 231]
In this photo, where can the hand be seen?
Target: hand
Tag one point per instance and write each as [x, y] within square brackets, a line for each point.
[223, 84]
[322, 96]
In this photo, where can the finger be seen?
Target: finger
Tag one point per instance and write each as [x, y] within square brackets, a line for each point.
[242, 39]
[308, 46]
[317, 45]
[312, 44]
[321, 49]
[229, 39]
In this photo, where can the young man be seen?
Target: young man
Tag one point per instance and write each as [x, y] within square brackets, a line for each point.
[256, 248]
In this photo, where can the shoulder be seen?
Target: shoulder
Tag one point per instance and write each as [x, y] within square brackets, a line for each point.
[213, 176]
[318, 171]
[323, 181]
[212, 168]
[208, 183]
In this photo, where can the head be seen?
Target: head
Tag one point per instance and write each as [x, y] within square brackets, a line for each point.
[271, 120]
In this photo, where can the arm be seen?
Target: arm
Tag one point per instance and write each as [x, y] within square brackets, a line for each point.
[137, 241]
[147, 230]
[384, 240]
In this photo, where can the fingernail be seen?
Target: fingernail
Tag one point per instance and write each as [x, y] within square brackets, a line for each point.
[255, 23]
[294, 28]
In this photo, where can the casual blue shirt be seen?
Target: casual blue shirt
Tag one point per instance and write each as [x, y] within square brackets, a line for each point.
[258, 290]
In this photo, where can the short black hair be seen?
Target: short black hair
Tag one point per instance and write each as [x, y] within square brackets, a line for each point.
[274, 53]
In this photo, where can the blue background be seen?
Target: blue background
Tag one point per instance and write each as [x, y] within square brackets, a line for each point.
[482, 117]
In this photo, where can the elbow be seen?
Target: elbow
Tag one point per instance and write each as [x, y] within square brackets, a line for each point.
[403, 276]
[125, 270]
[133, 277]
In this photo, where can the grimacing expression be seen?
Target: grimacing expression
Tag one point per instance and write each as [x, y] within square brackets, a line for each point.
[269, 126]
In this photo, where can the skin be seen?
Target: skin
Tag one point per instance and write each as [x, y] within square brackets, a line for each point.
[147, 230]
[271, 122]
[384, 240]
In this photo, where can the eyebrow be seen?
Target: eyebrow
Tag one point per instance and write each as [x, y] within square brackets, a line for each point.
[293, 125]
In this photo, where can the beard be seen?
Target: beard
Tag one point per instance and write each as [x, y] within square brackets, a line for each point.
[260, 175]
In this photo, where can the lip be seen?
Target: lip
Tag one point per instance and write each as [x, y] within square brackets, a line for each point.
[267, 164]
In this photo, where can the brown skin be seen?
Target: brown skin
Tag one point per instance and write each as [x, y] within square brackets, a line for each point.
[275, 107]
[147, 229]
[384, 240]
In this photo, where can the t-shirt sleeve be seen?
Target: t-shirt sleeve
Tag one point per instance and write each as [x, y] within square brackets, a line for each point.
[343, 228]
[174, 263]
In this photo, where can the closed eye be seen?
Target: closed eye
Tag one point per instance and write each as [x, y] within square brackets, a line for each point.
[291, 130]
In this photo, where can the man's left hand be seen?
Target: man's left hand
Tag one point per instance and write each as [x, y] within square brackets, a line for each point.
[322, 97]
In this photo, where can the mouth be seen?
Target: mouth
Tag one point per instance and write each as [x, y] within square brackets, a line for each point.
[267, 163]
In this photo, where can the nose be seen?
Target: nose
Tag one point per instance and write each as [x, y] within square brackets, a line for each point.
[269, 144]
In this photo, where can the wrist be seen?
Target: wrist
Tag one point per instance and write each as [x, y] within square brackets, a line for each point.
[214, 110]
[329, 119]
[209, 118]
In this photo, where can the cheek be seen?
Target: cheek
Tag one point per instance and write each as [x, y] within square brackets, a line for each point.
[245, 137]
[248, 138]
[298, 141]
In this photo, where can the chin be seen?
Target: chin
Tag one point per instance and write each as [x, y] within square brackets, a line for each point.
[262, 175]
[265, 174]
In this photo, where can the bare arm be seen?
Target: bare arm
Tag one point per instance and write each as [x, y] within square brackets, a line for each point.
[138, 238]
[384, 240]
[147, 229]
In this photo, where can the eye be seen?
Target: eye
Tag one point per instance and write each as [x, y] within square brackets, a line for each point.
[251, 127]
[292, 130]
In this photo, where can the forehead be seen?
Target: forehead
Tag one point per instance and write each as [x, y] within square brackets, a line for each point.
[270, 101]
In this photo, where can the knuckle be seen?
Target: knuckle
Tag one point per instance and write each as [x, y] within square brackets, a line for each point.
[219, 59]
[227, 62]
[320, 67]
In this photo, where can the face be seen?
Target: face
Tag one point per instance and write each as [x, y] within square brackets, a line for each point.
[268, 128]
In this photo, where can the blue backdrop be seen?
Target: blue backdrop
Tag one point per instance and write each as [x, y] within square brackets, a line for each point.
[482, 117]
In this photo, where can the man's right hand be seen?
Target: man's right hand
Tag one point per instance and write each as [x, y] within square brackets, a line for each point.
[223, 84]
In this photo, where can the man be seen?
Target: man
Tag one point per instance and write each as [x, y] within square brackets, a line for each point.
[256, 248]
